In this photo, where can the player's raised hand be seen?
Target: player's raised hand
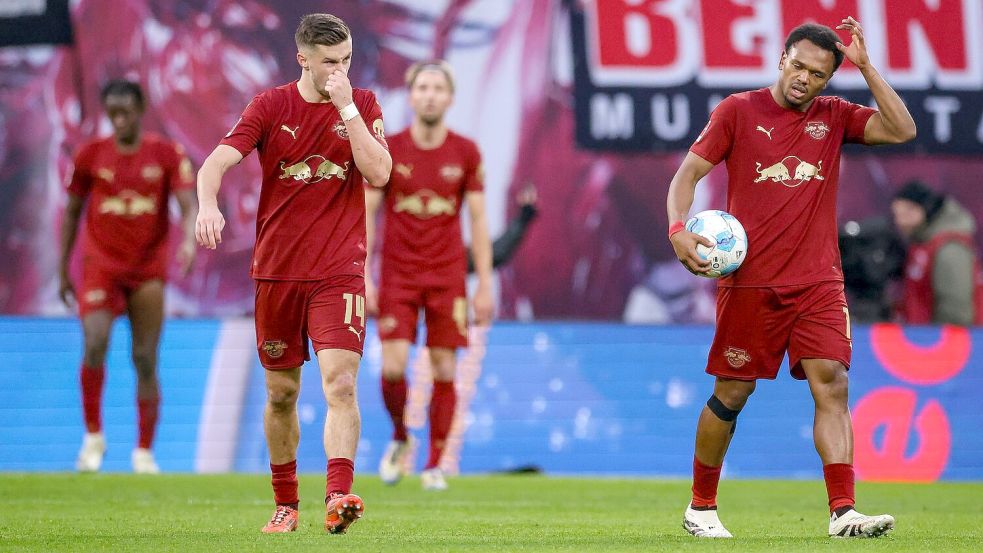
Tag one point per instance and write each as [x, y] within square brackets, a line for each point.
[483, 305]
[65, 290]
[339, 88]
[684, 243]
[208, 226]
[856, 52]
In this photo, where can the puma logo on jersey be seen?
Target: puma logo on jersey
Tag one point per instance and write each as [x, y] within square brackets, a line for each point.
[356, 332]
[768, 132]
[293, 132]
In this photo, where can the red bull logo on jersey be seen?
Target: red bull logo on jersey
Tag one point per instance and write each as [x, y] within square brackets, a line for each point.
[817, 129]
[425, 204]
[315, 168]
[128, 204]
[790, 171]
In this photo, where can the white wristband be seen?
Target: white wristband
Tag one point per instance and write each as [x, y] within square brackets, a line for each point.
[348, 112]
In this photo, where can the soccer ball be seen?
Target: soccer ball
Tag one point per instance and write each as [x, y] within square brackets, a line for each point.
[729, 238]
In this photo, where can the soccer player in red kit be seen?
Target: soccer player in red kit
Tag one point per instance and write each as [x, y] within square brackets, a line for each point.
[782, 148]
[317, 139]
[124, 183]
[424, 263]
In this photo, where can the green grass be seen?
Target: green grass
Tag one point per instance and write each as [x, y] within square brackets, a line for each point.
[186, 513]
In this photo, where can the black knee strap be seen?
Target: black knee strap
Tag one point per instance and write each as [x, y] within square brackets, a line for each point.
[722, 411]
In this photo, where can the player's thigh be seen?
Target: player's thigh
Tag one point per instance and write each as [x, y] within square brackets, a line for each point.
[145, 309]
[399, 309]
[395, 356]
[281, 323]
[446, 314]
[101, 290]
[822, 328]
[336, 314]
[339, 373]
[752, 334]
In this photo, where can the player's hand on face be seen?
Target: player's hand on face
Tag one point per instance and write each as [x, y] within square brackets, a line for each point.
[684, 243]
[339, 88]
[371, 297]
[65, 290]
[483, 305]
[186, 256]
[208, 227]
[856, 52]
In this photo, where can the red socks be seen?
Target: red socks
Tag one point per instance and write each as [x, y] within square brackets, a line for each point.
[91, 379]
[705, 480]
[394, 396]
[147, 410]
[285, 484]
[341, 473]
[442, 406]
[839, 485]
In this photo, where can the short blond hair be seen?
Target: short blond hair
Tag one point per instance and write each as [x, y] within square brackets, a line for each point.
[321, 28]
[440, 65]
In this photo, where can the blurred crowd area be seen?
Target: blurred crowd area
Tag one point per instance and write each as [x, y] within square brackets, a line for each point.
[598, 248]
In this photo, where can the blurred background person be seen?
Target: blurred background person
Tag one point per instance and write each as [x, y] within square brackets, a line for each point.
[124, 182]
[943, 283]
[873, 256]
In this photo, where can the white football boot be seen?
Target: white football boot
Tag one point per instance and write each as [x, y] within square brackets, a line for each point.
[143, 462]
[395, 461]
[91, 453]
[856, 525]
[433, 480]
[704, 524]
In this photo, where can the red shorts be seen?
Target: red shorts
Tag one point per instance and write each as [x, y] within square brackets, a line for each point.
[445, 312]
[107, 289]
[756, 326]
[330, 312]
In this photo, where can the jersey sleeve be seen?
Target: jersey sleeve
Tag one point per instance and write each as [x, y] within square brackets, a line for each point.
[248, 132]
[180, 173]
[372, 115]
[80, 181]
[474, 178]
[715, 141]
[855, 117]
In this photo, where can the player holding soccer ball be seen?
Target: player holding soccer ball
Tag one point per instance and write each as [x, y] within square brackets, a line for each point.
[317, 138]
[782, 148]
[424, 263]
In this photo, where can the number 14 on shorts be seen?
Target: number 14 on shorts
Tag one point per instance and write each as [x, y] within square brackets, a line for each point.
[354, 307]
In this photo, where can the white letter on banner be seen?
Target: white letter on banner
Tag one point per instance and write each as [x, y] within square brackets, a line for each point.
[612, 116]
[942, 107]
[666, 127]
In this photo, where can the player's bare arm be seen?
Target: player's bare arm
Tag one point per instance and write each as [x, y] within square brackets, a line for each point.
[373, 199]
[189, 213]
[371, 158]
[481, 252]
[892, 124]
[681, 192]
[69, 231]
[210, 222]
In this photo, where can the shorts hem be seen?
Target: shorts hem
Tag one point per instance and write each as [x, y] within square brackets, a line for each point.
[743, 378]
[820, 356]
[346, 348]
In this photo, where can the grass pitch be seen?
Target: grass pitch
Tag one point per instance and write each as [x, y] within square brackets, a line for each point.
[188, 513]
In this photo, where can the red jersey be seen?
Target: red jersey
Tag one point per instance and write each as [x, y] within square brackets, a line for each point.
[422, 234]
[126, 214]
[783, 166]
[310, 224]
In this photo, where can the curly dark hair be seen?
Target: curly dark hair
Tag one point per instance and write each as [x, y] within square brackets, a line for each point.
[820, 35]
[122, 87]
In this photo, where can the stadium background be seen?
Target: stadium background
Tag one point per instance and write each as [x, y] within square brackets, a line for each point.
[593, 103]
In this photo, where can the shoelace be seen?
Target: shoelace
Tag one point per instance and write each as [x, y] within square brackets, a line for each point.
[280, 514]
